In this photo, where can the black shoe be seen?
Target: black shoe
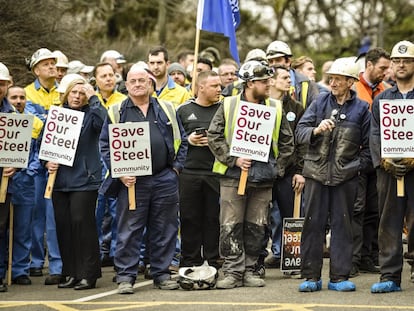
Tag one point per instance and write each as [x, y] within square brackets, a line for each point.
[354, 271]
[69, 283]
[107, 261]
[85, 284]
[367, 266]
[3, 286]
[22, 280]
[36, 272]
[54, 279]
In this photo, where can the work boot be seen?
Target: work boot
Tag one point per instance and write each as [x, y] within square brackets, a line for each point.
[125, 288]
[228, 282]
[3, 286]
[166, 284]
[354, 271]
[367, 266]
[342, 286]
[385, 287]
[251, 280]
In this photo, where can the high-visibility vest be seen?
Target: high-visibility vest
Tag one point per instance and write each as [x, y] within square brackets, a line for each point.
[167, 107]
[231, 107]
[304, 94]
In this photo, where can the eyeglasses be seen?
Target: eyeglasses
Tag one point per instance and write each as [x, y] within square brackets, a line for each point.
[404, 61]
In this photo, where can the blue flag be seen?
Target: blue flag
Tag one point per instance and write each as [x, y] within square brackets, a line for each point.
[221, 16]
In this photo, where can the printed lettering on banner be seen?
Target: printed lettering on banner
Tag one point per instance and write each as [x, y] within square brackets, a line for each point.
[291, 236]
[15, 139]
[252, 137]
[130, 149]
[61, 135]
[397, 128]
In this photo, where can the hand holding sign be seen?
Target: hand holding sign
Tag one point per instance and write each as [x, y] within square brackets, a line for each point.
[60, 139]
[130, 152]
[15, 139]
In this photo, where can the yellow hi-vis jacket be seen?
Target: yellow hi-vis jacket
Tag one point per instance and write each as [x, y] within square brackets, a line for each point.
[231, 107]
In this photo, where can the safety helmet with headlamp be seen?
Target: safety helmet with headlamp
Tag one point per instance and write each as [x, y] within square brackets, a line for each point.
[254, 70]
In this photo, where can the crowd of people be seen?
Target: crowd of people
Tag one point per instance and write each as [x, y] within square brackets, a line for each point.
[189, 212]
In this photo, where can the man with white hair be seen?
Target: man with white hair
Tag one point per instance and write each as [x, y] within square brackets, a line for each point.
[157, 194]
[335, 129]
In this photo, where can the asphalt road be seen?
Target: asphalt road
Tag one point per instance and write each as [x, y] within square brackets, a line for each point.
[280, 293]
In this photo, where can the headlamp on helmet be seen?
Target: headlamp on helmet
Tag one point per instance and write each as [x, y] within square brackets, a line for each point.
[255, 70]
[201, 277]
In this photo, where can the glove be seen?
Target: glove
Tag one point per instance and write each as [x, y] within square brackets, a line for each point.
[395, 169]
[408, 162]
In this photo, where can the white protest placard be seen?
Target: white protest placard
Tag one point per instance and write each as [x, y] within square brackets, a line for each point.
[252, 137]
[130, 149]
[15, 139]
[61, 135]
[397, 128]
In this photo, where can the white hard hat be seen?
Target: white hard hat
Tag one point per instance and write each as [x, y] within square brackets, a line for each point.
[77, 66]
[403, 49]
[201, 277]
[66, 80]
[345, 66]
[62, 60]
[120, 59]
[278, 49]
[255, 54]
[254, 70]
[39, 55]
[4, 73]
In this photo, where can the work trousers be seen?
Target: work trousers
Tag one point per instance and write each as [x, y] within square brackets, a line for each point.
[76, 232]
[242, 226]
[199, 215]
[365, 217]
[157, 211]
[393, 209]
[44, 222]
[4, 226]
[23, 193]
[337, 203]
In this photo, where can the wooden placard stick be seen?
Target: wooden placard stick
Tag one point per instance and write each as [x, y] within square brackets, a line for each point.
[50, 184]
[131, 198]
[400, 187]
[243, 181]
[296, 206]
[3, 188]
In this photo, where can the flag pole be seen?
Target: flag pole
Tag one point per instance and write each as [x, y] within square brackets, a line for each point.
[196, 49]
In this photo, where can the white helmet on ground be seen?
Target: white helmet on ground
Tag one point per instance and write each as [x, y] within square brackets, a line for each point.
[278, 49]
[254, 70]
[345, 66]
[201, 277]
[403, 49]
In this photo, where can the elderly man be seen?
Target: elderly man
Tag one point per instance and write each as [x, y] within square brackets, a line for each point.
[157, 194]
[335, 128]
